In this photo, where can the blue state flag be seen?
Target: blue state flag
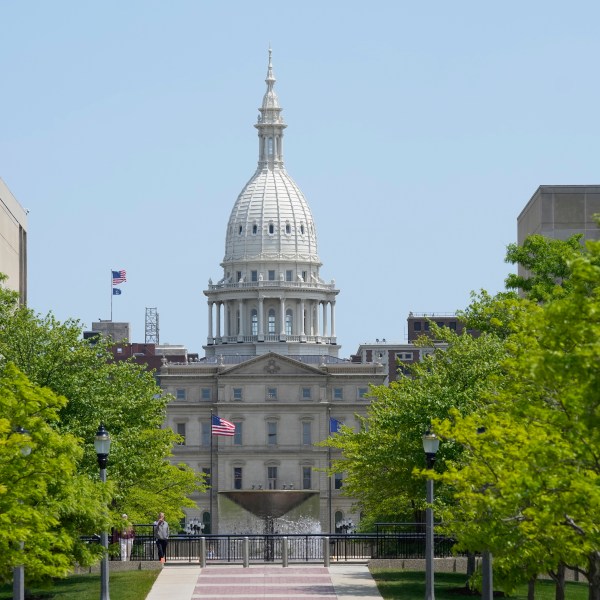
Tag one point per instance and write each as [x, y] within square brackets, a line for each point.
[335, 426]
[116, 292]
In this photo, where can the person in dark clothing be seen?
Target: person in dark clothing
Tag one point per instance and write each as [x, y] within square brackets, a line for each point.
[161, 535]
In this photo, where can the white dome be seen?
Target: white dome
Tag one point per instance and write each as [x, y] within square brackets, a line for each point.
[271, 220]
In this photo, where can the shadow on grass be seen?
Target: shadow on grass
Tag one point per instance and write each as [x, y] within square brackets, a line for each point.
[410, 585]
[124, 585]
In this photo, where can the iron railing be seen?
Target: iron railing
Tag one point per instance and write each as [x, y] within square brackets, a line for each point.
[385, 543]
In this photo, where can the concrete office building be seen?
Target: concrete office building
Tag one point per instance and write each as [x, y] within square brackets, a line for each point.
[560, 211]
[271, 365]
[13, 242]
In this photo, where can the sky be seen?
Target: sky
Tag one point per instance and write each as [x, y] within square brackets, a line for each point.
[417, 132]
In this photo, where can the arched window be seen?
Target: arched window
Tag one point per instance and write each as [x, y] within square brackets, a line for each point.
[288, 321]
[271, 320]
[254, 229]
[339, 517]
[271, 228]
[240, 230]
[237, 318]
[270, 146]
[302, 229]
[254, 319]
[288, 228]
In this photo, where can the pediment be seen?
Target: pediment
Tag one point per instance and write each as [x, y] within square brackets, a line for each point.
[272, 365]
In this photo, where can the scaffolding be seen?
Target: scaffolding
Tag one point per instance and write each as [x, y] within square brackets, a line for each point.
[152, 336]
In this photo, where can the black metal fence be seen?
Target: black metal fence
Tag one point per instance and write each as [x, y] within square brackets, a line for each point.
[401, 542]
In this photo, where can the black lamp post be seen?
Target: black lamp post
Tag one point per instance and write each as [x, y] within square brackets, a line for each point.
[102, 446]
[487, 573]
[431, 443]
[19, 570]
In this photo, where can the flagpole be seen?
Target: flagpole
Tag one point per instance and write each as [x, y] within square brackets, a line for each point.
[329, 465]
[111, 295]
[212, 477]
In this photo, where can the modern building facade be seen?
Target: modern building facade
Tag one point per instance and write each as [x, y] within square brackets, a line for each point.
[271, 364]
[13, 242]
[560, 211]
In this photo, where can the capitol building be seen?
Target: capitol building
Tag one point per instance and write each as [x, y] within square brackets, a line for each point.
[271, 364]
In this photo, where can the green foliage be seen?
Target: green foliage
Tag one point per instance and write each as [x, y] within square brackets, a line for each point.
[531, 491]
[548, 262]
[43, 500]
[91, 388]
[380, 458]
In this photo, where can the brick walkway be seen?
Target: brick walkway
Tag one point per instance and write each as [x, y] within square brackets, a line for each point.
[271, 582]
[275, 583]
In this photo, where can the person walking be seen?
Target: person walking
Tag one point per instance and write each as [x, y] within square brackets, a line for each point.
[126, 535]
[161, 535]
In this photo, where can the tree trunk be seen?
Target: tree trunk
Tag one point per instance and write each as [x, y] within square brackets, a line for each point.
[470, 568]
[559, 580]
[594, 576]
[531, 588]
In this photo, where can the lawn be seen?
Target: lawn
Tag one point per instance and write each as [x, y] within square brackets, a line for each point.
[410, 585]
[124, 585]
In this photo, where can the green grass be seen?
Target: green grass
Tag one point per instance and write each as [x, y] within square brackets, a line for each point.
[124, 585]
[410, 585]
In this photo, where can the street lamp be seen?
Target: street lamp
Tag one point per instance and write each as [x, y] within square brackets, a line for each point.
[102, 446]
[487, 573]
[431, 443]
[19, 570]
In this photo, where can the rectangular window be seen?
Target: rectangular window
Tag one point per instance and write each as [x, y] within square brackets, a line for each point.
[272, 393]
[417, 325]
[271, 275]
[180, 394]
[272, 478]
[306, 478]
[362, 392]
[440, 323]
[306, 433]
[272, 433]
[237, 478]
[237, 436]
[205, 394]
[237, 393]
[254, 275]
[338, 481]
[206, 473]
[303, 275]
[206, 433]
[426, 326]
[338, 394]
[239, 276]
[452, 325]
[306, 395]
[288, 275]
[404, 355]
[181, 432]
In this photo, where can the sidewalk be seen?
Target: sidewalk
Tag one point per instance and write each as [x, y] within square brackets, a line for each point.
[221, 582]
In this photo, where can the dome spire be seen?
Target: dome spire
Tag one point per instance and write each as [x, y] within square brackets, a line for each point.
[270, 125]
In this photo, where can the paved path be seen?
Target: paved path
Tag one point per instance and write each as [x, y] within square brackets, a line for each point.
[222, 582]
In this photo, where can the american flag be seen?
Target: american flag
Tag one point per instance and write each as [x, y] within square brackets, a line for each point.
[119, 277]
[222, 427]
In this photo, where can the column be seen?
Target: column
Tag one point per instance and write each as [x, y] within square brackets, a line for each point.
[302, 322]
[333, 318]
[324, 319]
[210, 323]
[317, 325]
[226, 319]
[218, 332]
[282, 320]
[242, 330]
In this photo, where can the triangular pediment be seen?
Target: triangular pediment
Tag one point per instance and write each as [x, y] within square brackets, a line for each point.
[272, 365]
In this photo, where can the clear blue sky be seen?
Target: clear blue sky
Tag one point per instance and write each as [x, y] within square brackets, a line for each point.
[417, 132]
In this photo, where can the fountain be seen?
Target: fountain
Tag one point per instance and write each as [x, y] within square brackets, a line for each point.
[269, 511]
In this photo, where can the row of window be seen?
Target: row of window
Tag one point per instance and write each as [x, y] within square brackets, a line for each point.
[306, 393]
[425, 324]
[255, 276]
[271, 433]
[271, 228]
[273, 481]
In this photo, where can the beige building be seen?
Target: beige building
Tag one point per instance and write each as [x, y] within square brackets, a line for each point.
[271, 366]
[13, 242]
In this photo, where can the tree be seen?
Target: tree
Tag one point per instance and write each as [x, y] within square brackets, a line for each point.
[122, 395]
[535, 473]
[44, 501]
[379, 459]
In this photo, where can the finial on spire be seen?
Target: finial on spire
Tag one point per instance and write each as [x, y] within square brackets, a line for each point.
[270, 80]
